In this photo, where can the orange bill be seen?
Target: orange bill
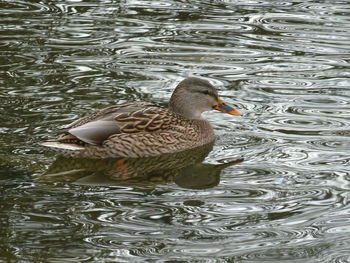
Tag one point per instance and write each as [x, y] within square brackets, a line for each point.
[223, 107]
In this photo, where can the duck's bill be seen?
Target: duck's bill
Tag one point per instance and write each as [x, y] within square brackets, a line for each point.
[223, 107]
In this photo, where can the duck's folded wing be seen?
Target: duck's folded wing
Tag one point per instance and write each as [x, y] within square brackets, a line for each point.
[95, 132]
[125, 121]
[107, 113]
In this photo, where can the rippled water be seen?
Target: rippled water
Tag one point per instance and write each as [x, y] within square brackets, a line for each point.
[285, 64]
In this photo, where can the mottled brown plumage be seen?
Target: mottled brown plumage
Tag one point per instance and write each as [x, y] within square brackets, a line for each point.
[142, 129]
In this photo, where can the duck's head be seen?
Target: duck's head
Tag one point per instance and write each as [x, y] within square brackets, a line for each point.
[193, 96]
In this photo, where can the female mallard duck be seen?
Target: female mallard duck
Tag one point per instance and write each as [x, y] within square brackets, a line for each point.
[142, 129]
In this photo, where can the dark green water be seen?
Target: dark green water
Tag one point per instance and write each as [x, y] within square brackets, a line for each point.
[285, 64]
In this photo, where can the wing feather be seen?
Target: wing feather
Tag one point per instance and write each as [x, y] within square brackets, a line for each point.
[95, 132]
[125, 118]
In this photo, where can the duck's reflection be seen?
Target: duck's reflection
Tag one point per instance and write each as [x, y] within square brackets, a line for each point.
[184, 168]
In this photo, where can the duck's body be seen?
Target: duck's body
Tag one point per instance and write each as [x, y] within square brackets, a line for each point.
[142, 129]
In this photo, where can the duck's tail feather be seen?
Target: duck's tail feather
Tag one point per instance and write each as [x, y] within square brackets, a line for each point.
[62, 146]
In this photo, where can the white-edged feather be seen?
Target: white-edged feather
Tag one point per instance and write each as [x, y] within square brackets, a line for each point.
[63, 146]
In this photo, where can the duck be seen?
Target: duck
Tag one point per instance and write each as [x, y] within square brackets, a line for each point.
[142, 129]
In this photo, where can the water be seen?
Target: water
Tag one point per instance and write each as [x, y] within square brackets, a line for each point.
[285, 64]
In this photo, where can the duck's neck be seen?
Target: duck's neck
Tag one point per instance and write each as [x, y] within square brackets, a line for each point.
[205, 130]
[188, 114]
[185, 110]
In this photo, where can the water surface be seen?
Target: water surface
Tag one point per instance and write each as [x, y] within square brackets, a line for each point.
[285, 64]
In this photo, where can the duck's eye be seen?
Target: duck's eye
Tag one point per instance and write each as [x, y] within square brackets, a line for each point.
[206, 92]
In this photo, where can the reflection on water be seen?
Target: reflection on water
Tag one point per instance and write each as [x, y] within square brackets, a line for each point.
[184, 168]
[284, 63]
